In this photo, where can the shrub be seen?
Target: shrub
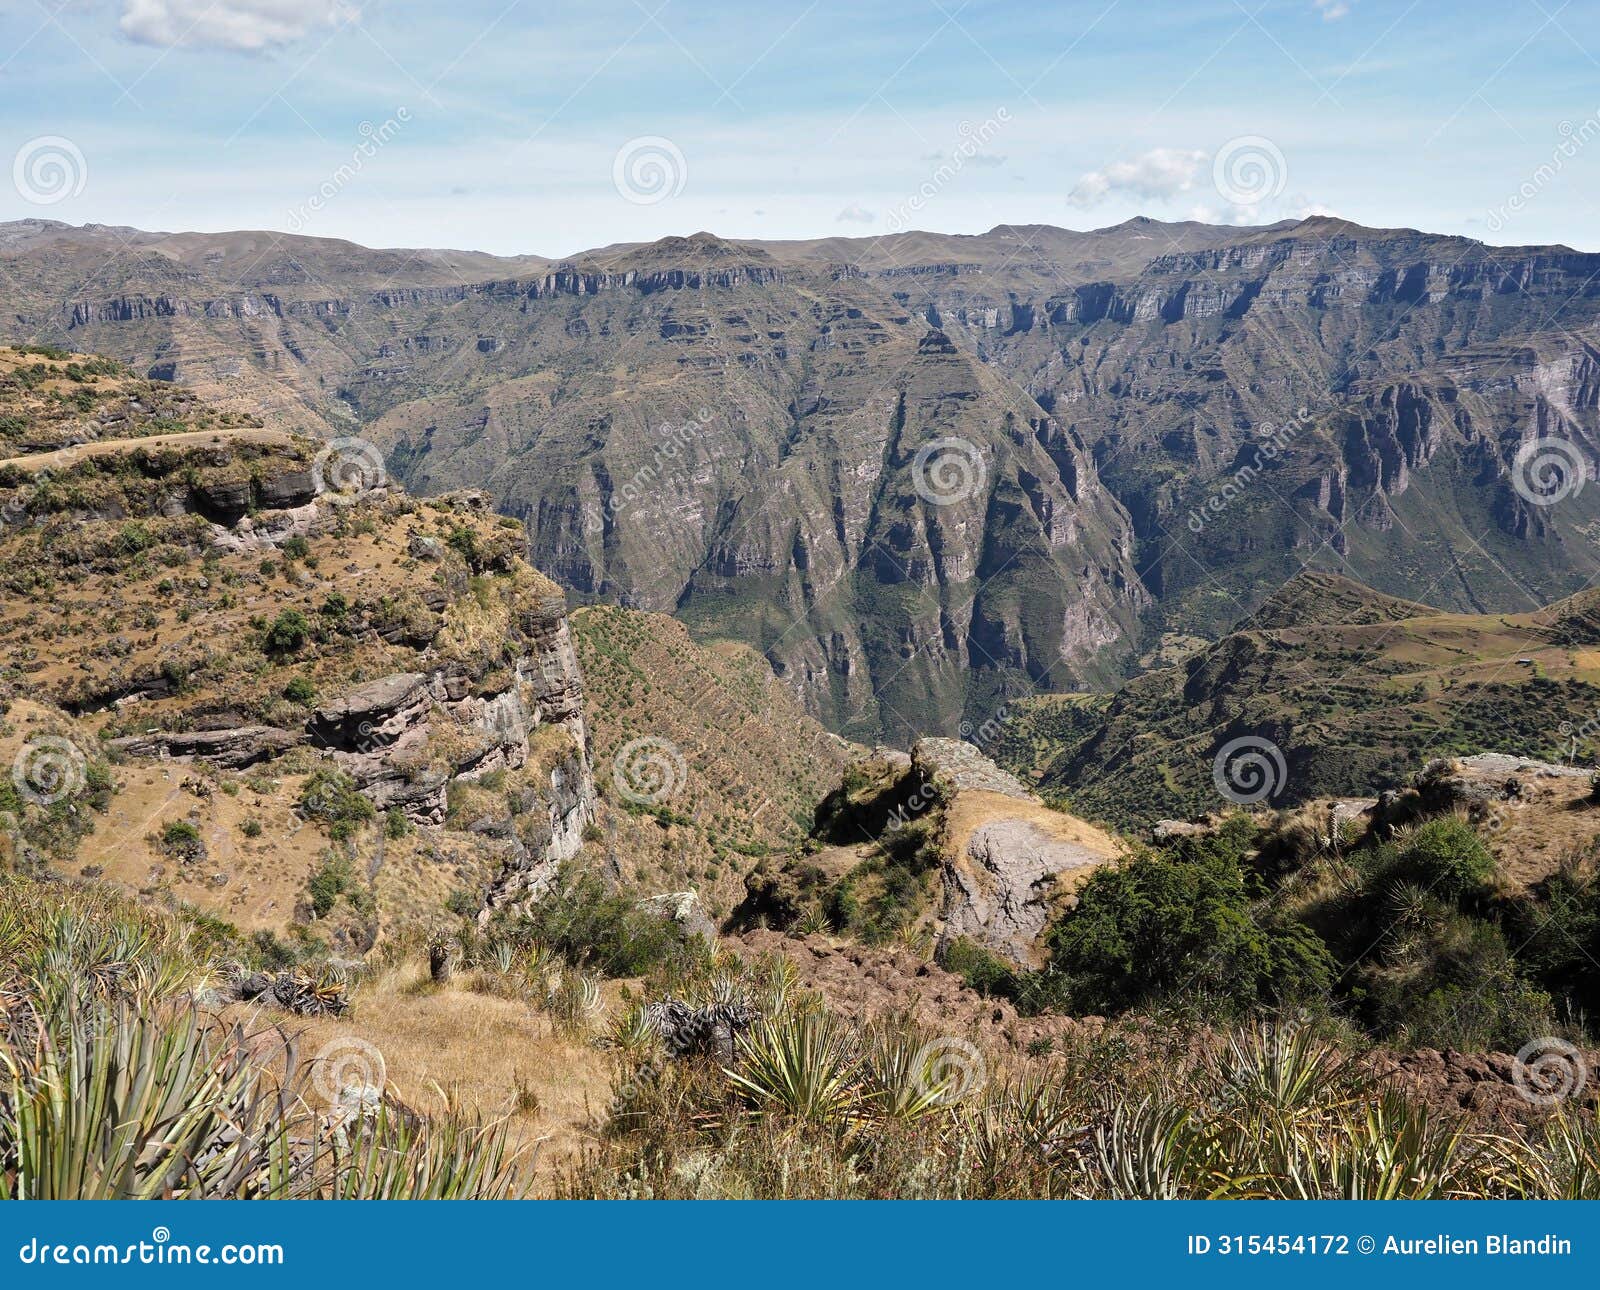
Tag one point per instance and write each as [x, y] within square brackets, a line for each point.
[288, 633]
[301, 689]
[1180, 922]
[981, 969]
[336, 877]
[1444, 856]
[331, 797]
[594, 925]
[181, 840]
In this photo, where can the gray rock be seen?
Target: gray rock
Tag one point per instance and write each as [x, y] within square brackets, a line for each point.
[999, 893]
[959, 765]
[229, 749]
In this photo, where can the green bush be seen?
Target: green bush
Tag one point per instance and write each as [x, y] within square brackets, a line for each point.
[301, 689]
[597, 926]
[181, 840]
[331, 797]
[982, 970]
[1180, 922]
[1443, 856]
[288, 633]
[337, 877]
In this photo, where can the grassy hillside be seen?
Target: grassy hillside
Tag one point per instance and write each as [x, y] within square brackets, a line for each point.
[1355, 689]
[744, 765]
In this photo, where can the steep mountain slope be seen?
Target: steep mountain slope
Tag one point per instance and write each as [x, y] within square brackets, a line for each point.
[228, 682]
[1326, 394]
[1124, 433]
[704, 763]
[1331, 690]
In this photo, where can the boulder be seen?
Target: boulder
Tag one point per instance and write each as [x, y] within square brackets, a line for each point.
[1001, 892]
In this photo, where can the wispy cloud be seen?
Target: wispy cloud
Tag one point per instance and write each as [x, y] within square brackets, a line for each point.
[1158, 175]
[248, 25]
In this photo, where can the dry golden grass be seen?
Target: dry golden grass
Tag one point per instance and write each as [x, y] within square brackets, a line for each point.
[448, 1046]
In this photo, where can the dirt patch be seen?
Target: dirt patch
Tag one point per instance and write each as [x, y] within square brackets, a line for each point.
[863, 982]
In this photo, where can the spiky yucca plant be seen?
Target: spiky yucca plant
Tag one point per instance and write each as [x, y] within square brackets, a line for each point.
[799, 1065]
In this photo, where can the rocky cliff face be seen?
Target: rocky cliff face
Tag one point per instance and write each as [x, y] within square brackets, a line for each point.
[1160, 423]
[207, 597]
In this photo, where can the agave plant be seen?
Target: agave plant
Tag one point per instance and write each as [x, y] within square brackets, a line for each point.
[800, 1066]
[112, 1103]
[632, 1033]
[1161, 1149]
[899, 1081]
[1566, 1165]
[1394, 1150]
[1285, 1068]
[393, 1155]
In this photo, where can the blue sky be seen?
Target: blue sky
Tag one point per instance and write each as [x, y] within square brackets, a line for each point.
[530, 127]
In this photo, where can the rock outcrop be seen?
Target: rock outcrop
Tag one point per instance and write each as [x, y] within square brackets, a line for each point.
[1009, 861]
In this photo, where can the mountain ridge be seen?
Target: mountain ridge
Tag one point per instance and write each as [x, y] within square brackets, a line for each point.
[729, 430]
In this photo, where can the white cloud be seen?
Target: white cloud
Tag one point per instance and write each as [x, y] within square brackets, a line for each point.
[229, 24]
[855, 214]
[1331, 10]
[1157, 175]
